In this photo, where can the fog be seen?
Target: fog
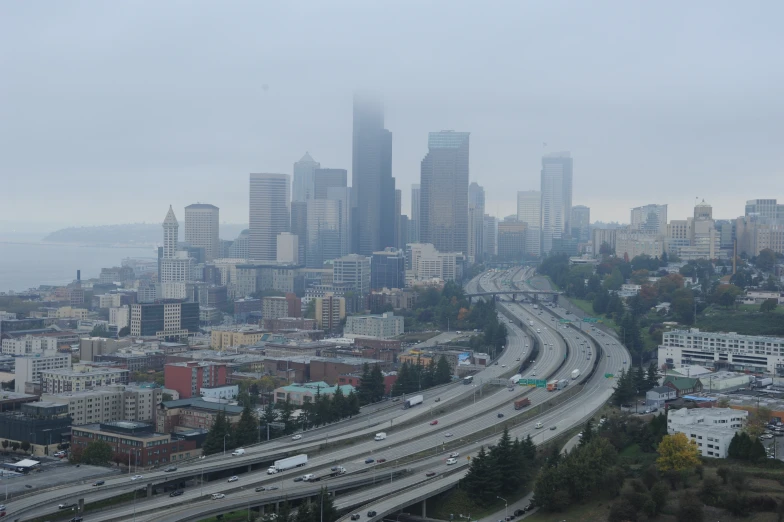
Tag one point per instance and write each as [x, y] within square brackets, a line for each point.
[111, 111]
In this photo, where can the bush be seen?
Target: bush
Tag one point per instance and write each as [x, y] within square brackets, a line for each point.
[650, 508]
[637, 500]
[659, 494]
[724, 473]
[622, 511]
[639, 487]
[650, 476]
[710, 493]
[690, 509]
[761, 503]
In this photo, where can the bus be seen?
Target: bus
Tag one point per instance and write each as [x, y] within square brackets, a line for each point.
[468, 380]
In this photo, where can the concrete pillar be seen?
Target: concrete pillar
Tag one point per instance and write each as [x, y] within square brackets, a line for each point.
[250, 468]
[424, 508]
[80, 506]
[149, 490]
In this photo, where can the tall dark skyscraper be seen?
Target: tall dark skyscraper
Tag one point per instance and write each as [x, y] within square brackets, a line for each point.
[443, 205]
[413, 236]
[373, 187]
[476, 221]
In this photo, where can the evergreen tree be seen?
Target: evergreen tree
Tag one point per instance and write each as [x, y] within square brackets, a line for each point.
[757, 451]
[220, 431]
[652, 377]
[338, 404]
[284, 512]
[247, 429]
[482, 478]
[624, 388]
[443, 373]
[353, 404]
[285, 416]
[509, 478]
[376, 384]
[733, 450]
[528, 448]
[365, 387]
[587, 433]
[640, 382]
[306, 512]
[326, 507]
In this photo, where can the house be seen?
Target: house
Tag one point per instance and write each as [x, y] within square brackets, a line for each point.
[683, 385]
[656, 397]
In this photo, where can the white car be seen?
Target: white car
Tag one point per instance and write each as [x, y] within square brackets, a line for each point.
[235, 478]
[296, 437]
[217, 496]
[454, 455]
[136, 477]
[449, 462]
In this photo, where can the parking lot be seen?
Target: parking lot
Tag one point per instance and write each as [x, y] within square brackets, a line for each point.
[55, 472]
[775, 446]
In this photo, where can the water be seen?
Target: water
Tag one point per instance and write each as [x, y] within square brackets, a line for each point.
[27, 265]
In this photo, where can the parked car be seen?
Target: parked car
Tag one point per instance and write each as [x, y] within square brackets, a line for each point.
[500, 415]
[176, 493]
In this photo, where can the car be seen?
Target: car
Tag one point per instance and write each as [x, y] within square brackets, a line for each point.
[65, 505]
[438, 399]
[355, 516]
[395, 399]
[137, 477]
[379, 461]
[433, 422]
[430, 474]
[518, 359]
[297, 479]
[448, 434]
[503, 366]
[369, 460]
[272, 488]
[218, 496]
[76, 519]
[371, 513]
[233, 478]
[176, 493]
[552, 428]
[624, 361]
[449, 462]
[59, 454]
[170, 469]
[500, 415]
[99, 483]
[261, 488]
[454, 455]
[518, 512]
[296, 437]
[647, 411]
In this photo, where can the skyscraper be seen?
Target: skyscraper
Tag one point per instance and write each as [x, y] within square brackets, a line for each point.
[170, 231]
[476, 219]
[556, 197]
[415, 218]
[373, 187]
[581, 223]
[299, 226]
[650, 218]
[490, 235]
[326, 178]
[529, 211]
[201, 228]
[444, 195]
[304, 174]
[269, 214]
[323, 232]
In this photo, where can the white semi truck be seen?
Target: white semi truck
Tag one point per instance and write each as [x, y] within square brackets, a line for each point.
[287, 463]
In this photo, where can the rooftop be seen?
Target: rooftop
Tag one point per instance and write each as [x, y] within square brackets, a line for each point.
[201, 404]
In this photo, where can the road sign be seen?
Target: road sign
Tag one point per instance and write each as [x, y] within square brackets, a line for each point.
[541, 383]
[279, 425]
[565, 321]
[590, 320]
[609, 375]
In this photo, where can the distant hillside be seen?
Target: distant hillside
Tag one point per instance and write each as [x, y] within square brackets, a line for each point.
[129, 234]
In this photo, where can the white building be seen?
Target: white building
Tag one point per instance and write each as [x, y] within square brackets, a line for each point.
[650, 218]
[229, 391]
[384, 326]
[29, 367]
[120, 316]
[427, 263]
[755, 353]
[711, 429]
[80, 378]
[353, 269]
[28, 345]
[288, 248]
[109, 300]
[635, 243]
[201, 228]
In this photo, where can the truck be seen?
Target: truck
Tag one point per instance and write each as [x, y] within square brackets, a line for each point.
[575, 373]
[238, 452]
[552, 385]
[413, 401]
[287, 463]
[380, 436]
[519, 404]
[515, 379]
[563, 383]
[336, 471]
[761, 383]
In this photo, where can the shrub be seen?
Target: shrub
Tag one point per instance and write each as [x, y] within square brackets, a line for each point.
[690, 509]
[622, 511]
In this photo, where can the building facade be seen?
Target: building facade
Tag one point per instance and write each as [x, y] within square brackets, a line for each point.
[65, 380]
[304, 178]
[166, 320]
[187, 378]
[383, 326]
[556, 187]
[388, 269]
[202, 224]
[270, 210]
[28, 345]
[476, 222]
[529, 211]
[29, 367]
[353, 269]
[711, 429]
[109, 404]
[330, 311]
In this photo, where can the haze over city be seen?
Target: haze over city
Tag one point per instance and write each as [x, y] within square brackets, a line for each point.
[115, 111]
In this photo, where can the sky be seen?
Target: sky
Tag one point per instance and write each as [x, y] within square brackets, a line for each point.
[111, 111]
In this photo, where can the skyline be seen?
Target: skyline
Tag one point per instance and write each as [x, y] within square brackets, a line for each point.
[638, 96]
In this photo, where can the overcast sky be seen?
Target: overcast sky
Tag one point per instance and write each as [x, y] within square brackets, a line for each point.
[111, 111]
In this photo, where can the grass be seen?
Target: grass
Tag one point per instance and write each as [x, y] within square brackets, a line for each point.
[741, 321]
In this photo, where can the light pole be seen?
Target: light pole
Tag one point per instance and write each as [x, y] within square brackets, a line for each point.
[506, 506]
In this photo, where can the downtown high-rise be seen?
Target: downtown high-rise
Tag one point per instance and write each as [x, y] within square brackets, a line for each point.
[201, 228]
[529, 211]
[556, 187]
[304, 178]
[373, 187]
[444, 192]
[476, 221]
[270, 214]
[413, 236]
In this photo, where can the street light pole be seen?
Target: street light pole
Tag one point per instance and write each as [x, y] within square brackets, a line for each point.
[506, 506]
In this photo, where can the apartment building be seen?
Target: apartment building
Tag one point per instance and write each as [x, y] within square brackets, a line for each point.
[385, 326]
[81, 378]
[29, 367]
[711, 429]
[28, 345]
[109, 404]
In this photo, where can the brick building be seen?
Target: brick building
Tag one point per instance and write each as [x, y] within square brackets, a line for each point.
[193, 413]
[187, 378]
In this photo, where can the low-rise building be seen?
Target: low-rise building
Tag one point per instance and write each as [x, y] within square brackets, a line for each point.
[289, 323]
[682, 385]
[385, 326]
[189, 377]
[225, 337]
[656, 397]
[109, 404]
[711, 429]
[227, 391]
[28, 345]
[193, 413]
[29, 367]
[134, 442]
[135, 360]
[300, 394]
[42, 424]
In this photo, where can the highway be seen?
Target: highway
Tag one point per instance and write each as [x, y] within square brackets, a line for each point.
[416, 436]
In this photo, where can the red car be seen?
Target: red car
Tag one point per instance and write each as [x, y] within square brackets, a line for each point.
[433, 423]
[430, 474]
[379, 461]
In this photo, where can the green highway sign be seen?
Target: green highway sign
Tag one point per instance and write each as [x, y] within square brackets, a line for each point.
[590, 320]
[564, 321]
[541, 383]
[609, 375]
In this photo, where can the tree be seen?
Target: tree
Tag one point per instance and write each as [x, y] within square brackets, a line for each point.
[220, 433]
[652, 377]
[768, 306]
[690, 508]
[247, 429]
[587, 433]
[5, 444]
[659, 494]
[677, 453]
[622, 511]
[365, 386]
[14, 445]
[99, 331]
[326, 507]
[443, 374]
[376, 384]
[766, 260]
[25, 446]
[97, 453]
[125, 331]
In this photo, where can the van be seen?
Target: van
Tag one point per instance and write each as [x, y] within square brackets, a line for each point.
[539, 425]
[238, 452]
[380, 436]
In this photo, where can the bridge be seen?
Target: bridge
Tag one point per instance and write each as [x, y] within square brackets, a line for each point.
[514, 293]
